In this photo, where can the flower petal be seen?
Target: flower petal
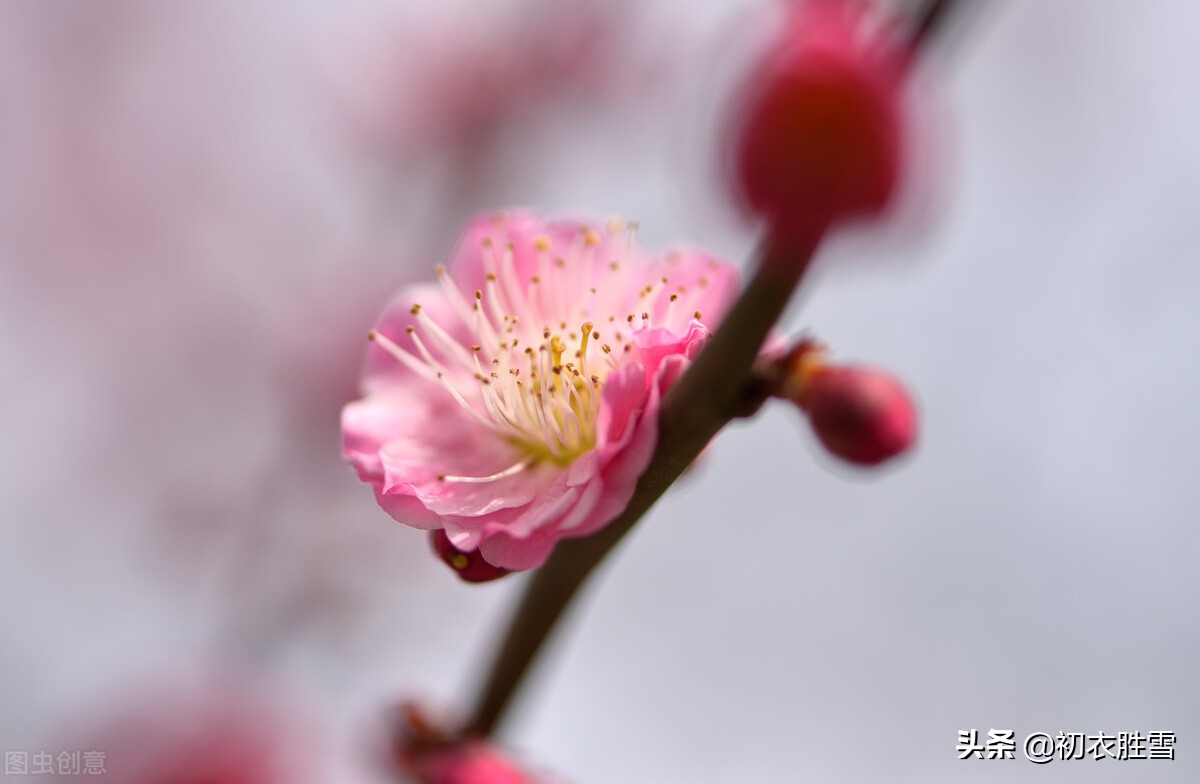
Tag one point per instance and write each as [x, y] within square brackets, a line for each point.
[515, 231]
[382, 370]
[371, 422]
[450, 443]
[621, 474]
[656, 344]
[516, 553]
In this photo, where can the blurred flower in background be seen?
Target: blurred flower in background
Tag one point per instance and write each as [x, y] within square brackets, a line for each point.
[451, 79]
[190, 262]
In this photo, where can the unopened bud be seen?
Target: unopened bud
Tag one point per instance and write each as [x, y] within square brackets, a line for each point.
[427, 751]
[471, 763]
[860, 414]
[821, 136]
[470, 567]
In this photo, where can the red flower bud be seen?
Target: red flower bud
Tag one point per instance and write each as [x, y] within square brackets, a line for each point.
[429, 752]
[470, 567]
[819, 138]
[861, 414]
[471, 763]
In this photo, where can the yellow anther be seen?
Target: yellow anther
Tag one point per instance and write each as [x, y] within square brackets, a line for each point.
[585, 329]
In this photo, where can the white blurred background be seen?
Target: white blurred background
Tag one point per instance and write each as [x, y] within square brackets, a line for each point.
[204, 206]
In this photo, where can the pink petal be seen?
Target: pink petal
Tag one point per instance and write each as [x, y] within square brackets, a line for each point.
[371, 422]
[516, 522]
[586, 504]
[515, 553]
[453, 443]
[408, 510]
[714, 284]
[625, 394]
[381, 369]
[519, 228]
[621, 475]
[657, 344]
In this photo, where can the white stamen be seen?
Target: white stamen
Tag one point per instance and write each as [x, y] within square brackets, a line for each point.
[402, 356]
[512, 470]
[450, 347]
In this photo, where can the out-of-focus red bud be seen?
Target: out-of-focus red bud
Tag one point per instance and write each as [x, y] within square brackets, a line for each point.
[470, 567]
[471, 763]
[818, 138]
[427, 751]
[860, 414]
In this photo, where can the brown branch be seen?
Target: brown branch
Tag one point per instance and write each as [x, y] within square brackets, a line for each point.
[930, 21]
[705, 399]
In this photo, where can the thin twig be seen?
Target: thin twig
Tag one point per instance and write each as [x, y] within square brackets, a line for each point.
[704, 400]
[930, 21]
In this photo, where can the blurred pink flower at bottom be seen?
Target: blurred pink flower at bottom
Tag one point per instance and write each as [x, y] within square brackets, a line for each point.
[218, 736]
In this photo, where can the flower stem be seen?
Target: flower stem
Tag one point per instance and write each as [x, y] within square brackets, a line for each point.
[704, 400]
[930, 20]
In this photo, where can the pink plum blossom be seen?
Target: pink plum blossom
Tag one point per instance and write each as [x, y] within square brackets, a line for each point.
[515, 402]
